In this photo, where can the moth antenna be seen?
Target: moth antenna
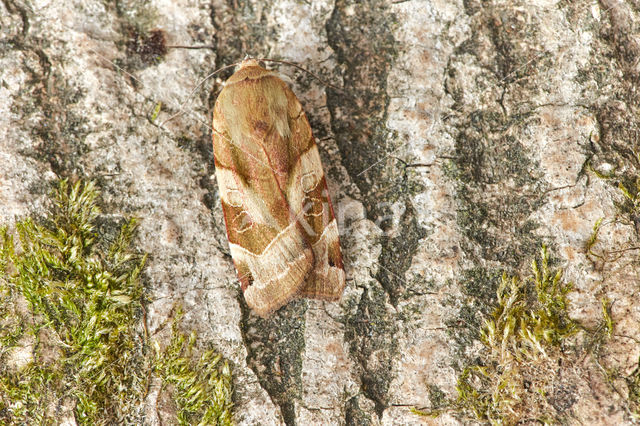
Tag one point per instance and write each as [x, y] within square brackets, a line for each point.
[195, 89]
[305, 70]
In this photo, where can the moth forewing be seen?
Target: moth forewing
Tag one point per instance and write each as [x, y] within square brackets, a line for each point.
[283, 235]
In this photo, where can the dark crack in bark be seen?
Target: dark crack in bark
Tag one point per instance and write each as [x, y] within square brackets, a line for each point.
[361, 34]
[356, 415]
[275, 348]
[371, 332]
[478, 287]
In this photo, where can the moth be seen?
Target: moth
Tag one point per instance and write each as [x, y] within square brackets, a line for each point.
[282, 231]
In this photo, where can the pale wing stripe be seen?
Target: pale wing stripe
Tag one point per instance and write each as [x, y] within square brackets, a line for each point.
[283, 247]
[253, 204]
[287, 248]
[330, 233]
[308, 166]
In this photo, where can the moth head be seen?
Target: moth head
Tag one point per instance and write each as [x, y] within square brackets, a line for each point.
[251, 62]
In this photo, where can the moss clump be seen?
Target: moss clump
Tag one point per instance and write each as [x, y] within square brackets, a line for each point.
[628, 215]
[633, 383]
[201, 389]
[631, 193]
[72, 346]
[522, 339]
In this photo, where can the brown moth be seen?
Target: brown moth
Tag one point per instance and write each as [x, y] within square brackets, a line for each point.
[283, 235]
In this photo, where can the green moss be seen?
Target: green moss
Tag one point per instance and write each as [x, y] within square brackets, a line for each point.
[633, 383]
[631, 192]
[521, 338]
[72, 342]
[202, 388]
[629, 214]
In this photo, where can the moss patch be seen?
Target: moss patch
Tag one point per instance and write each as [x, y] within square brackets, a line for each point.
[628, 214]
[200, 386]
[362, 37]
[524, 339]
[73, 346]
[633, 383]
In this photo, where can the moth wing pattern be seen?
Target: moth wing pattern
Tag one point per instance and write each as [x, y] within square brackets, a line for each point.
[282, 232]
[326, 281]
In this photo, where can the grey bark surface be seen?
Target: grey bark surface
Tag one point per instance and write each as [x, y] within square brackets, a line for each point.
[462, 140]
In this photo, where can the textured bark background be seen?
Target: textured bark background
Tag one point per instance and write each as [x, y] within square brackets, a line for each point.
[465, 137]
